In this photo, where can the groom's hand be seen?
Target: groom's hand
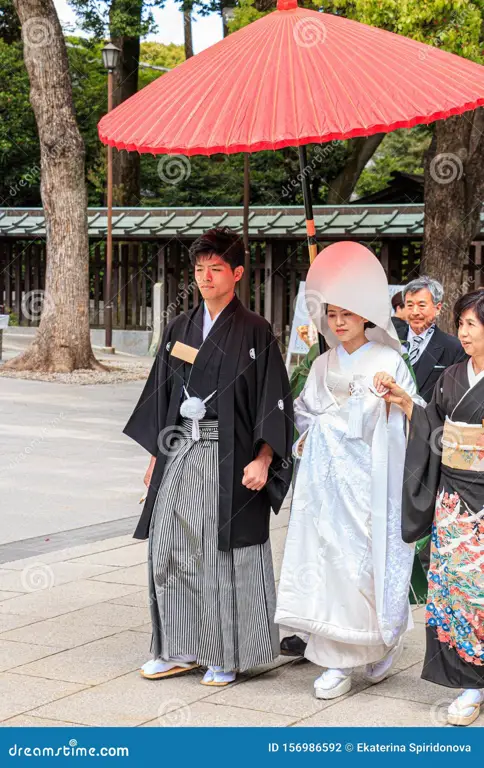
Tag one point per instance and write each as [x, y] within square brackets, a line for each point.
[256, 473]
[149, 472]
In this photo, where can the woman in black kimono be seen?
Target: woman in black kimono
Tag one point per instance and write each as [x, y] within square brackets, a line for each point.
[443, 494]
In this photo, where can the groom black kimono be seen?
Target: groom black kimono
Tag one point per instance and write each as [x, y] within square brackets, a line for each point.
[239, 360]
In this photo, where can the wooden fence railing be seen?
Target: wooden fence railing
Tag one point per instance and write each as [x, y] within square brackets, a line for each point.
[277, 266]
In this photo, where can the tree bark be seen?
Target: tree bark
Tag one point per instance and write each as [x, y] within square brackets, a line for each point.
[225, 26]
[187, 29]
[264, 5]
[454, 188]
[62, 342]
[126, 165]
[360, 151]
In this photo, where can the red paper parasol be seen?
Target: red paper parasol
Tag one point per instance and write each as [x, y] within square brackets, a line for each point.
[292, 78]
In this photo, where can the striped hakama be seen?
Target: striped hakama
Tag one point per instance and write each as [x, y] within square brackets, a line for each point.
[217, 606]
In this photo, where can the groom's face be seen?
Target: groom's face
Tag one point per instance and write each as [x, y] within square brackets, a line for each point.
[215, 277]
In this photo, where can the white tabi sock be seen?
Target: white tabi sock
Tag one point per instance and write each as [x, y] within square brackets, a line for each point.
[469, 697]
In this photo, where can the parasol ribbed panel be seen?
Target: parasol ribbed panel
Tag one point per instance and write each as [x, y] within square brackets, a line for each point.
[294, 77]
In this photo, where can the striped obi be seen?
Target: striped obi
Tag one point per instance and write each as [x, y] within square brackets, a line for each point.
[208, 429]
[463, 446]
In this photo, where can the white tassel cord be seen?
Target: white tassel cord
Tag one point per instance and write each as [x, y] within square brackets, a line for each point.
[194, 408]
[355, 406]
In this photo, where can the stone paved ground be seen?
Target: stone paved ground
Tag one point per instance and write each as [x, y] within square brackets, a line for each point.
[74, 621]
[74, 630]
[64, 462]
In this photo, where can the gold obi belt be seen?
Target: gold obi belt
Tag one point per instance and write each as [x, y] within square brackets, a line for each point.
[463, 446]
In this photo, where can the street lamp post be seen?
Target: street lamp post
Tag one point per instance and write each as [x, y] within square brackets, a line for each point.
[111, 56]
[228, 13]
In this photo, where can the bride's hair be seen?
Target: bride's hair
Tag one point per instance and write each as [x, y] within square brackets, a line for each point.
[368, 324]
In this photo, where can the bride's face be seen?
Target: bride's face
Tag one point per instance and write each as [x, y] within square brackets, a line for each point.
[345, 325]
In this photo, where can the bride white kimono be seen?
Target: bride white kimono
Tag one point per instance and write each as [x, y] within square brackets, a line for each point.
[346, 570]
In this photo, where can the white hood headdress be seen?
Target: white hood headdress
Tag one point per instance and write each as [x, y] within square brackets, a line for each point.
[350, 276]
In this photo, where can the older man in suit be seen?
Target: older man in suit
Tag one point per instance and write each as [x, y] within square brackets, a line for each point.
[430, 350]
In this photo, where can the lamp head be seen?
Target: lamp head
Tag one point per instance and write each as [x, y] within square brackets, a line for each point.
[111, 56]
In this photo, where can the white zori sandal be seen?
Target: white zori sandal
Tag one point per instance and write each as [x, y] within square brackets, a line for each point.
[155, 669]
[217, 677]
[332, 683]
[466, 708]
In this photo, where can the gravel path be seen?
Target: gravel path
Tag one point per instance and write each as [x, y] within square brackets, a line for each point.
[125, 369]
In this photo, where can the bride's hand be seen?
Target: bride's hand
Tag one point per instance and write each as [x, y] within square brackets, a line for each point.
[396, 394]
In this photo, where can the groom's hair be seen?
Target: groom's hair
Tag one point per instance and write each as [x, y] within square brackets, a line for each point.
[222, 242]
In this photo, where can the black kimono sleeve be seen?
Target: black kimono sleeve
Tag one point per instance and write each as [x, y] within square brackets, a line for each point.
[422, 467]
[274, 423]
[149, 416]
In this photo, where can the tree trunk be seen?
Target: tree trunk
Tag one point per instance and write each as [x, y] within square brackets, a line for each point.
[187, 29]
[126, 165]
[454, 188]
[62, 342]
[264, 5]
[225, 26]
[360, 150]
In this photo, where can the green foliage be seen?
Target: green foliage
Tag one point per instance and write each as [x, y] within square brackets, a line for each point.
[219, 180]
[245, 13]
[212, 181]
[13, 317]
[19, 147]
[401, 150]
[453, 25]
[9, 22]
[116, 18]
[162, 55]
